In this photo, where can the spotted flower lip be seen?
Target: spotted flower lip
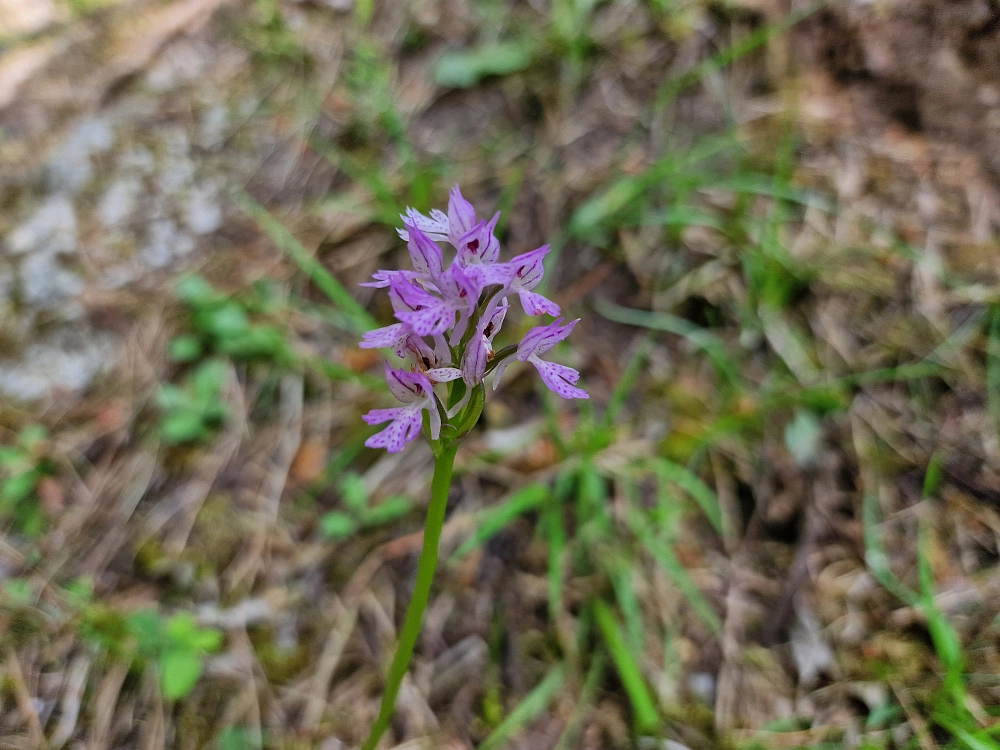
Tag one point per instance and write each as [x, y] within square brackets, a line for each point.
[416, 392]
[436, 302]
[558, 378]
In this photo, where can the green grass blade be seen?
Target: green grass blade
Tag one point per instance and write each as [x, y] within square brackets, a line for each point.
[665, 556]
[628, 603]
[875, 554]
[946, 640]
[993, 368]
[669, 90]
[647, 718]
[700, 338]
[627, 381]
[495, 519]
[325, 280]
[555, 532]
[527, 710]
[765, 185]
[969, 740]
[668, 471]
[570, 739]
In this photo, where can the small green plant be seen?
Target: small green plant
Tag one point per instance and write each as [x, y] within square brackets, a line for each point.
[224, 325]
[22, 467]
[176, 646]
[194, 411]
[360, 514]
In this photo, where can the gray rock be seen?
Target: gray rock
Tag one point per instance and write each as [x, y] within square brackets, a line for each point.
[166, 243]
[45, 283]
[204, 214]
[50, 230]
[119, 201]
[214, 124]
[70, 168]
[67, 362]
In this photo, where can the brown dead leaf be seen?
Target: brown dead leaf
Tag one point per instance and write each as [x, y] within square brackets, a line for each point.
[309, 461]
[360, 360]
[21, 65]
[540, 455]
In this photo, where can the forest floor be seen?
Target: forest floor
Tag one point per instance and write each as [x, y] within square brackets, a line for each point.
[776, 523]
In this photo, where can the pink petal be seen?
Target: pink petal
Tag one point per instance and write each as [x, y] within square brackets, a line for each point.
[389, 336]
[401, 431]
[425, 254]
[559, 378]
[407, 386]
[461, 214]
[536, 304]
[443, 374]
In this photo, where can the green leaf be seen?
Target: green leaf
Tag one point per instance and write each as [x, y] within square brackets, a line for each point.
[172, 397]
[196, 291]
[387, 511]
[229, 320]
[208, 640]
[185, 348]
[354, 492]
[182, 627]
[209, 379]
[258, 341]
[146, 626]
[180, 670]
[465, 68]
[337, 525]
[183, 427]
[19, 487]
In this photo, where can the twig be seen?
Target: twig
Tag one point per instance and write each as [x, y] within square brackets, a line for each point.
[24, 701]
[71, 700]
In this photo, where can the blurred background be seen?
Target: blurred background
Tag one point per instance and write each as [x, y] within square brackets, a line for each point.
[774, 525]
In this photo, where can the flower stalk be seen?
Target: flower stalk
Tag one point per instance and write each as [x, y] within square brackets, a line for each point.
[444, 463]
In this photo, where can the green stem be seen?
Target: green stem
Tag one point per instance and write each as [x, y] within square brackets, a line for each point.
[444, 462]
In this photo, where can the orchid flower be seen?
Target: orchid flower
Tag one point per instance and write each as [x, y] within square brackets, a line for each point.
[416, 391]
[440, 302]
[461, 310]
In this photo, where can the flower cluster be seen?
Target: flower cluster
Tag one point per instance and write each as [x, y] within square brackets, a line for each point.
[448, 317]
